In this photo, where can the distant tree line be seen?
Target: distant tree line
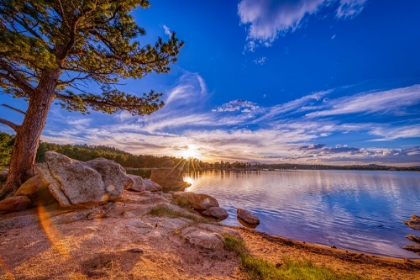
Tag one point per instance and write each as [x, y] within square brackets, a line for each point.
[128, 160]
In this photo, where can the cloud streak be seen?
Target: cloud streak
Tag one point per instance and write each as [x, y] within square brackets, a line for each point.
[268, 19]
[293, 131]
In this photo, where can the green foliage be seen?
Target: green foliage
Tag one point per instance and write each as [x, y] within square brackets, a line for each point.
[289, 269]
[83, 41]
[6, 144]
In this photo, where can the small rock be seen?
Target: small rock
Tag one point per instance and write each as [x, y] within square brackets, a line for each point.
[216, 212]
[278, 265]
[413, 224]
[203, 239]
[151, 186]
[247, 216]
[138, 185]
[415, 218]
[135, 250]
[14, 203]
[333, 247]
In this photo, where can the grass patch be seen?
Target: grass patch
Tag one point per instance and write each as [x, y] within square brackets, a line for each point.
[288, 269]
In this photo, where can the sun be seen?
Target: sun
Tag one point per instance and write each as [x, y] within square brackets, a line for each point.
[190, 151]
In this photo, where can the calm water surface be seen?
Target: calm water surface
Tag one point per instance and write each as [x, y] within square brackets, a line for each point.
[356, 210]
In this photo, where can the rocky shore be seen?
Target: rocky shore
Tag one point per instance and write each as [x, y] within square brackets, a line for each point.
[119, 228]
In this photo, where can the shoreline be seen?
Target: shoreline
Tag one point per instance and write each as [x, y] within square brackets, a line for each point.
[286, 240]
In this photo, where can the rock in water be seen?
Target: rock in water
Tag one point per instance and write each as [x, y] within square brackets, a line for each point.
[170, 179]
[216, 212]
[197, 201]
[72, 182]
[247, 216]
[37, 191]
[14, 203]
[138, 185]
[413, 238]
[413, 248]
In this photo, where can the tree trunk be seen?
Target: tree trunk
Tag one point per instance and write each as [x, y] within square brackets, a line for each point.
[26, 142]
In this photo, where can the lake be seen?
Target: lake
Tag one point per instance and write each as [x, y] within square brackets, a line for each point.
[355, 210]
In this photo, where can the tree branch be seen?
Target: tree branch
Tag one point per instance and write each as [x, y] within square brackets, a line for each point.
[18, 79]
[13, 108]
[14, 126]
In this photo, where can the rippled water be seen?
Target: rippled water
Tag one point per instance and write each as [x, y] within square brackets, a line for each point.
[355, 210]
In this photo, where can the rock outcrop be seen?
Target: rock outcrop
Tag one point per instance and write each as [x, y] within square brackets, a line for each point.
[247, 217]
[14, 203]
[37, 191]
[197, 201]
[170, 179]
[216, 212]
[203, 239]
[73, 182]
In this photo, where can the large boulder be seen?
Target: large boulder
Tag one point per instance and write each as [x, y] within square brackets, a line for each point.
[170, 179]
[247, 217]
[37, 191]
[14, 203]
[138, 185]
[197, 201]
[216, 212]
[73, 182]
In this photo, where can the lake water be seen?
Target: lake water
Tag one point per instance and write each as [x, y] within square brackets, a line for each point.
[354, 210]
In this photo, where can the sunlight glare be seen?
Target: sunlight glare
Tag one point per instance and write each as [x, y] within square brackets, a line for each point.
[191, 152]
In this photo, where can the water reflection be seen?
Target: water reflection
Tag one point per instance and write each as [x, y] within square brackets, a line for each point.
[340, 208]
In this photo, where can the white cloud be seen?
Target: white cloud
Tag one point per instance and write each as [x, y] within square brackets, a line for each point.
[375, 102]
[237, 105]
[260, 60]
[167, 30]
[267, 19]
[350, 8]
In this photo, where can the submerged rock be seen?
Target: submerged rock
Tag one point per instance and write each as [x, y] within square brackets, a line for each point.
[197, 201]
[247, 217]
[414, 223]
[216, 212]
[170, 179]
[14, 203]
[413, 248]
[73, 182]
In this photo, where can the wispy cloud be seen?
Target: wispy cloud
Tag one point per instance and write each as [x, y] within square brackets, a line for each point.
[243, 130]
[260, 60]
[375, 102]
[267, 19]
[350, 8]
[237, 105]
[167, 30]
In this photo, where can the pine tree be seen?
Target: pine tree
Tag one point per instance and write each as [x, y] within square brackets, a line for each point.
[54, 49]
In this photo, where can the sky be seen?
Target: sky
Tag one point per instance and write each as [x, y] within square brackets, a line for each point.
[293, 81]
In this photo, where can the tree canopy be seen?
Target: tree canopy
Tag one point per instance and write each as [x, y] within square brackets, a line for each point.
[61, 49]
[88, 41]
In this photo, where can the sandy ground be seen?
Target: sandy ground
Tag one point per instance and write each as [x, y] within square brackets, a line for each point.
[122, 240]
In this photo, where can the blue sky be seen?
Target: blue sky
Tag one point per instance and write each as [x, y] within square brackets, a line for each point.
[304, 81]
